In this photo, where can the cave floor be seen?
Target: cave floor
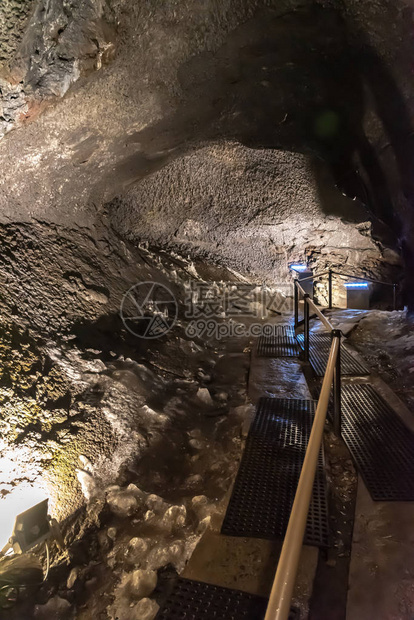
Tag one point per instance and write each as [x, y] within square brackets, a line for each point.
[165, 512]
[249, 564]
[368, 572]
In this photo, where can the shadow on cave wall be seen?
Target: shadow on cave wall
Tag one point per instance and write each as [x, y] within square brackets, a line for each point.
[294, 82]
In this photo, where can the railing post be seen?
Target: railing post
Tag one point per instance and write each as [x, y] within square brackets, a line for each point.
[296, 293]
[337, 414]
[330, 289]
[394, 290]
[306, 328]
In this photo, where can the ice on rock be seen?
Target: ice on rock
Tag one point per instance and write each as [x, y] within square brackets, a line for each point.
[124, 609]
[196, 439]
[200, 505]
[195, 433]
[86, 479]
[112, 532]
[154, 416]
[137, 549]
[196, 444]
[156, 503]
[204, 395]
[56, 608]
[150, 516]
[171, 554]
[124, 502]
[146, 609]
[174, 518]
[138, 584]
[73, 577]
[243, 411]
[222, 396]
[203, 525]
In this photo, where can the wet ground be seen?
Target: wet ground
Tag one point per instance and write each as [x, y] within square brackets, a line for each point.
[180, 427]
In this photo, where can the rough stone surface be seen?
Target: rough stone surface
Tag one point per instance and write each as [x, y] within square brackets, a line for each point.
[254, 210]
[99, 421]
[227, 130]
[269, 74]
[46, 46]
[13, 20]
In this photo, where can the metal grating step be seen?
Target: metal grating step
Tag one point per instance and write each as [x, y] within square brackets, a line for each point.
[380, 443]
[319, 348]
[194, 600]
[281, 343]
[269, 471]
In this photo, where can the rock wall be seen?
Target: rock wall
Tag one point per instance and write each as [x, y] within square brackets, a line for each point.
[13, 22]
[259, 71]
[47, 45]
[254, 210]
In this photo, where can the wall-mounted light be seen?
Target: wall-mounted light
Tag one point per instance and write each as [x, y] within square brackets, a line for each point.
[357, 295]
[299, 267]
[356, 285]
[20, 497]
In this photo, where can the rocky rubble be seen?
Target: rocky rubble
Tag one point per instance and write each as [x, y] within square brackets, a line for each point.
[133, 442]
[386, 341]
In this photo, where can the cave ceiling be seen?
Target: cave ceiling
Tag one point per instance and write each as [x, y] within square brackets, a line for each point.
[98, 95]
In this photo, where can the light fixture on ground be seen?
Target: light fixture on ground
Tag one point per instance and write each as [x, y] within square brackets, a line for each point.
[31, 528]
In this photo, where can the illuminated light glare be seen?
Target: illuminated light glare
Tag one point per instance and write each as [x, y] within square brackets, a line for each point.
[298, 268]
[352, 285]
[20, 497]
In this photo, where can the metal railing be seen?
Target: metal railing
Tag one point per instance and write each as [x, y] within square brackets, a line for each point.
[330, 273]
[284, 583]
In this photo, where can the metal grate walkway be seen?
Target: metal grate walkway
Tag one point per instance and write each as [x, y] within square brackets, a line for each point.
[319, 347]
[380, 443]
[281, 343]
[269, 471]
[194, 600]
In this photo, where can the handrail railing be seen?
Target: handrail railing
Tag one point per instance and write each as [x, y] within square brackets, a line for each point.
[317, 312]
[284, 583]
[331, 273]
[282, 591]
[347, 275]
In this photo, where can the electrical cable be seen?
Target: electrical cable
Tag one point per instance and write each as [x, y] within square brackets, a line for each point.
[35, 583]
[47, 561]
